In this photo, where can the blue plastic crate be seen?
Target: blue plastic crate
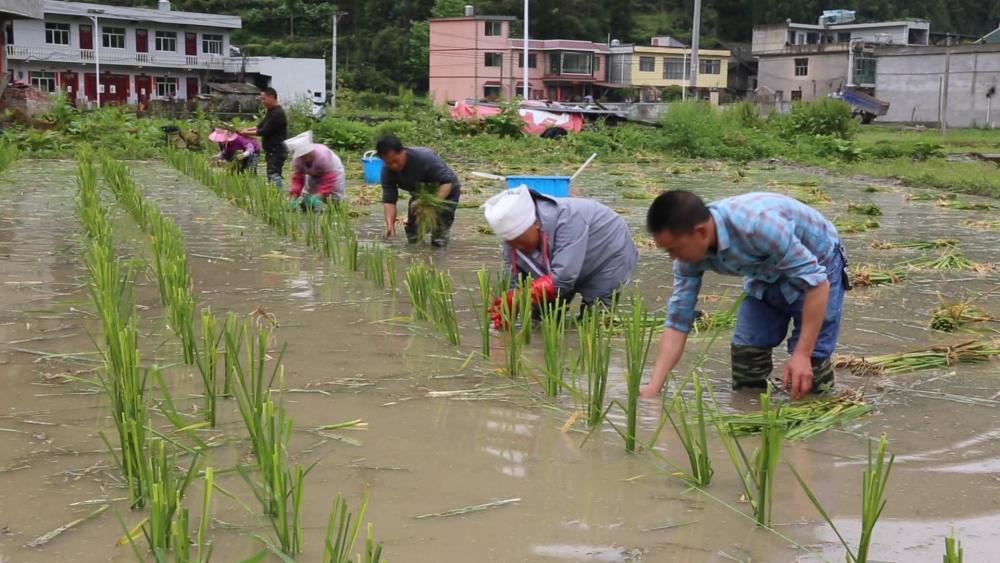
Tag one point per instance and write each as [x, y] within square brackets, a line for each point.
[555, 186]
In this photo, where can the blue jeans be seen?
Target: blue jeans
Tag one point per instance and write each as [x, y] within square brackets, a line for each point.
[763, 323]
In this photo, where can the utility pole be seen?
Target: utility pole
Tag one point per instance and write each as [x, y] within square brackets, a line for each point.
[96, 39]
[525, 55]
[333, 62]
[944, 89]
[695, 39]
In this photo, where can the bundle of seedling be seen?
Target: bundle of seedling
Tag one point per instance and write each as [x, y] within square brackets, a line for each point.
[935, 357]
[850, 225]
[949, 259]
[964, 205]
[958, 315]
[935, 244]
[553, 327]
[801, 420]
[811, 195]
[638, 336]
[871, 275]
[595, 336]
[869, 209]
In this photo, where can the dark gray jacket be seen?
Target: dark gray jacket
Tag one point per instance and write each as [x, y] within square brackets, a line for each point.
[590, 246]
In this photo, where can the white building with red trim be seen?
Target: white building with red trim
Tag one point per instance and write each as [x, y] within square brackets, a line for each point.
[143, 53]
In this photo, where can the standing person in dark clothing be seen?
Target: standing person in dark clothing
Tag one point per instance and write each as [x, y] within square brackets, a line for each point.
[430, 181]
[273, 130]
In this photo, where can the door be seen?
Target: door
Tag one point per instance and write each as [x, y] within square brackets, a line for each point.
[90, 86]
[191, 44]
[70, 83]
[143, 89]
[141, 41]
[192, 87]
[86, 36]
[117, 89]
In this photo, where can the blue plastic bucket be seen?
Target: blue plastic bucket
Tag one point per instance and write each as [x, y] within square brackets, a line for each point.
[555, 186]
[372, 166]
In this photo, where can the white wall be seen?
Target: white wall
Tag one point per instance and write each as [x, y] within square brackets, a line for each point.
[912, 82]
[31, 33]
[292, 78]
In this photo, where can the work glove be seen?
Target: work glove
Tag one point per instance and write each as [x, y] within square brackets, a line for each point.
[242, 155]
[294, 203]
[496, 311]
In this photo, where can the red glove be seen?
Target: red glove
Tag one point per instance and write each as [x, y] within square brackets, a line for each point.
[496, 311]
[543, 290]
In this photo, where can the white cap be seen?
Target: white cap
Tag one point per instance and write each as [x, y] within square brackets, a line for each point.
[300, 144]
[510, 213]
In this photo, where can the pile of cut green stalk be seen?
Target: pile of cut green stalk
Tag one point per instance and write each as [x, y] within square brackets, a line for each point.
[935, 357]
[802, 420]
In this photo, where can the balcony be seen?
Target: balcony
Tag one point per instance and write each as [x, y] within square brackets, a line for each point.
[123, 57]
[806, 49]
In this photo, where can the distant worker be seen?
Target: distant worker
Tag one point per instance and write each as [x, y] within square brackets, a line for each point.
[429, 180]
[568, 245]
[273, 130]
[794, 270]
[317, 172]
[235, 148]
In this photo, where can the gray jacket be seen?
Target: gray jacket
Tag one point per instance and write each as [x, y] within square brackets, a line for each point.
[591, 248]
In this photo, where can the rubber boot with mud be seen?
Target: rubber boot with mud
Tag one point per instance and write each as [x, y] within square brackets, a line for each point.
[751, 367]
[822, 375]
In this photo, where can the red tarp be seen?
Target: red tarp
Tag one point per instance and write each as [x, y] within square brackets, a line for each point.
[536, 121]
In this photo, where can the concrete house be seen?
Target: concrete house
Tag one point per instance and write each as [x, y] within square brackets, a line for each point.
[474, 56]
[143, 54]
[805, 61]
[667, 62]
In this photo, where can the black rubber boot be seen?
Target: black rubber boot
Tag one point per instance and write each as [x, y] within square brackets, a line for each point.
[751, 367]
[822, 375]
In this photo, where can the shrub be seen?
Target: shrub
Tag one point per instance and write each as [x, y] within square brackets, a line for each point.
[343, 135]
[920, 150]
[743, 114]
[405, 130]
[824, 116]
[671, 93]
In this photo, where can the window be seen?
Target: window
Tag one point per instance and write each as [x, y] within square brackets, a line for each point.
[493, 29]
[843, 37]
[166, 87]
[166, 41]
[211, 44]
[597, 64]
[494, 59]
[113, 37]
[647, 64]
[553, 66]
[55, 34]
[532, 60]
[801, 67]
[796, 95]
[577, 63]
[675, 68]
[491, 92]
[44, 81]
[709, 66]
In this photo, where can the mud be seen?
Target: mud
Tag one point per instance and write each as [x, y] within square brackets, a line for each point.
[353, 354]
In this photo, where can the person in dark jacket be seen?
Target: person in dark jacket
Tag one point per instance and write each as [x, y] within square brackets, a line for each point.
[430, 181]
[273, 131]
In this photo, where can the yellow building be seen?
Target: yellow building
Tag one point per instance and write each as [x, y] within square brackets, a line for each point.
[668, 63]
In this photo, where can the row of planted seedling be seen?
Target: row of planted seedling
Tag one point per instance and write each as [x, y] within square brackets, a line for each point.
[328, 231]
[148, 459]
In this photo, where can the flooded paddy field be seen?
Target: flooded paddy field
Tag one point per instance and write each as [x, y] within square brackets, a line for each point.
[445, 429]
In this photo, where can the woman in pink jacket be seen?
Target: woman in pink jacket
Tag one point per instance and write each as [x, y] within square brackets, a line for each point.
[317, 172]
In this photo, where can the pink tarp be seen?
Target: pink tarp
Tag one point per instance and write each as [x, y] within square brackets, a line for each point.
[536, 121]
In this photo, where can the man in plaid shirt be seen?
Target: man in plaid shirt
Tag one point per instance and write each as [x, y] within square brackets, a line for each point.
[793, 268]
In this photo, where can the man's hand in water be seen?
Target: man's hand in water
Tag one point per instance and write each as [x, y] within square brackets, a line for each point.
[797, 376]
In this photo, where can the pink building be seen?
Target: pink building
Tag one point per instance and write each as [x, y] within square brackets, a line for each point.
[475, 57]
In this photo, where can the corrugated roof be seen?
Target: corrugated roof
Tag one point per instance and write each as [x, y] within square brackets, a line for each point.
[155, 15]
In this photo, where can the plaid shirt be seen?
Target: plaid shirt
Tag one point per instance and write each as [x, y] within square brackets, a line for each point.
[766, 238]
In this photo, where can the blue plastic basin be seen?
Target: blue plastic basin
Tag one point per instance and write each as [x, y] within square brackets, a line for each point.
[555, 186]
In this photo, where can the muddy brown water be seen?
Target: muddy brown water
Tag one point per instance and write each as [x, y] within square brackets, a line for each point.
[352, 353]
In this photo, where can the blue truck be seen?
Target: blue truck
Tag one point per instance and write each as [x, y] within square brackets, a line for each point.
[866, 107]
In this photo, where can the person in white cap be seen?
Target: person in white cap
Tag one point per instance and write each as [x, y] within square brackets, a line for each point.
[567, 245]
[317, 172]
